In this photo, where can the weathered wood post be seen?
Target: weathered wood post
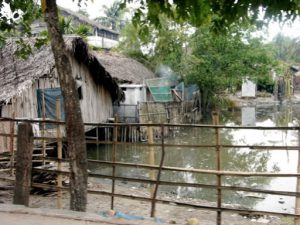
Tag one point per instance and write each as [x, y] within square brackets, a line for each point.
[23, 164]
[215, 116]
[151, 158]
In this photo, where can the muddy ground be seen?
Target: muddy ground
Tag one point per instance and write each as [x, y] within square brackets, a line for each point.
[167, 213]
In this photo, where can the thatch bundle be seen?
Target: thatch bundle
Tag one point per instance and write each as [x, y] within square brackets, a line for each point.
[17, 74]
[124, 69]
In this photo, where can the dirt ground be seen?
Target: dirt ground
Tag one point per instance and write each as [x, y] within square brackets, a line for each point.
[170, 213]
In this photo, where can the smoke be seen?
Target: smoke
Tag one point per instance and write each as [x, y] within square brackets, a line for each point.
[164, 71]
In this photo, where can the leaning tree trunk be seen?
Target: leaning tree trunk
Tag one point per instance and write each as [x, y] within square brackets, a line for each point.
[74, 122]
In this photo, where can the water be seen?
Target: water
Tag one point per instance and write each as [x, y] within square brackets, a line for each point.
[242, 159]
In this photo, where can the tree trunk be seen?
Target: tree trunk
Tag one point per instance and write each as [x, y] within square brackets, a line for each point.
[74, 122]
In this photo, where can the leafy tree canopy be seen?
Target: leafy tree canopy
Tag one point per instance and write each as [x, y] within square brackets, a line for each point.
[286, 49]
[218, 63]
[219, 13]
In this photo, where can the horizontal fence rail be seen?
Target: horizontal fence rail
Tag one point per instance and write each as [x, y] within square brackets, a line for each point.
[160, 146]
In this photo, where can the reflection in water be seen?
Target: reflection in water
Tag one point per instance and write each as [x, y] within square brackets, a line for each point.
[232, 159]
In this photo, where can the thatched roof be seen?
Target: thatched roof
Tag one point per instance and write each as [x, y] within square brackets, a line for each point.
[124, 69]
[17, 75]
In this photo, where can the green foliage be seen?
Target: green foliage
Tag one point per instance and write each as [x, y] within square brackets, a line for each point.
[265, 83]
[218, 63]
[157, 47]
[15, 19]
[65, 25]
[131, 43]
[286, 49]
[219, 13]
[83, 30]
[113, 18]
[23, 50]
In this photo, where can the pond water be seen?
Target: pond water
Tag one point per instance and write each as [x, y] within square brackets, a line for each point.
[232, 159]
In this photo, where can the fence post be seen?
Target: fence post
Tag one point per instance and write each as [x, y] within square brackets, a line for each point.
[297, 206]
[114, 145]
[215, 116]
[23, 164]
[59, 153]
[11, 143]
[162, 160]
[151, 158]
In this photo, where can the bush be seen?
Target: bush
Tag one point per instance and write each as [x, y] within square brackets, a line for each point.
[266, 84]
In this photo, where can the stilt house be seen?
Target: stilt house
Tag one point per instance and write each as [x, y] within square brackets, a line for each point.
[30, 87]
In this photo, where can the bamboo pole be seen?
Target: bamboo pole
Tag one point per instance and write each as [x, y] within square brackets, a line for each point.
[215, 116]
[151, 158]
[201, 171]
[43, 126]
[114, 146]
[59, 154]
[97, 142]
[162, 159]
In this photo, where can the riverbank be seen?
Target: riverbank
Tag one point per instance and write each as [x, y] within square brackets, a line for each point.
[170, 214]
[262, 99]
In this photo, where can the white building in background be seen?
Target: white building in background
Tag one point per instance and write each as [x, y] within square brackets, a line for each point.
[248, 89]
[101, 42]
[102, 37]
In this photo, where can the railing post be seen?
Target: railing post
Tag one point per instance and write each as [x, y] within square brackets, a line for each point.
[114, 146]
[151, 158]
[59, 153]
[162, 159]
[23, 164]
[215, 116]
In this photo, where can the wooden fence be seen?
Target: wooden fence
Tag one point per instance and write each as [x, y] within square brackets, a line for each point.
[154, 179]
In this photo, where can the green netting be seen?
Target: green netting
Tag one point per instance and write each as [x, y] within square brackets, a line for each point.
[160, 89]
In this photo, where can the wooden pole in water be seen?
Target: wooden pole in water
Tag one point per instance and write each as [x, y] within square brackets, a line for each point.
[151, 158]
[59, 154]
[23, 164]
[215, 116]
[297, 206]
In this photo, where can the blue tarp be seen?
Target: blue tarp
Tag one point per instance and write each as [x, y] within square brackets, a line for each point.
[50, 95]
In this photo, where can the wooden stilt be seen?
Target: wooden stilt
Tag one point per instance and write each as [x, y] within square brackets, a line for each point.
[23, 164]
[215, 116]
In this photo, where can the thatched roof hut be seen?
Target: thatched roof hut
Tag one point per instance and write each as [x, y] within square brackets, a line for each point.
[124, 69]
[16, 74]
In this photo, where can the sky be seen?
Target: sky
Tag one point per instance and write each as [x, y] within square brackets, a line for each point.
[94, 9]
